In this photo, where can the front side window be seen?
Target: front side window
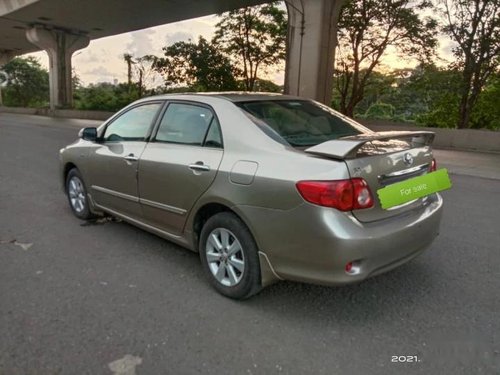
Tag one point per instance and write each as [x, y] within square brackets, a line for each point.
[301, 123]
[189, 124]
[133, 125]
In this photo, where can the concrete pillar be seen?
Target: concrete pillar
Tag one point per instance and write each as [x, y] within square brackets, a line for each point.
[60, 46]
[311, 42]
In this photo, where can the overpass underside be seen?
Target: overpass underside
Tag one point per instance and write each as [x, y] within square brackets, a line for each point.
[61, 27]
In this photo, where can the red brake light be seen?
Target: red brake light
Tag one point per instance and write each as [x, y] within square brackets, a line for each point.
[344, 195]
[433, 165]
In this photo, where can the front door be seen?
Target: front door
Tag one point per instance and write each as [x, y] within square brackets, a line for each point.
[114, 161]
[179, 165]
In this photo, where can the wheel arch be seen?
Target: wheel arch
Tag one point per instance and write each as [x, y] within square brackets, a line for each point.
[67, 167]
[206, 211]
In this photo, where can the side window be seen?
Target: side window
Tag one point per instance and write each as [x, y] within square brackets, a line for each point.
[214, 138]
[133, 125]
[188, 124]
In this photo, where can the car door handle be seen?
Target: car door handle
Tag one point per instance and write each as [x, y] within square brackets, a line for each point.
[131, 157]
[199, 166]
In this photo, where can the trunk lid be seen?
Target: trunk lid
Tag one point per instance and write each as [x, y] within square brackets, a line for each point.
[382, 159]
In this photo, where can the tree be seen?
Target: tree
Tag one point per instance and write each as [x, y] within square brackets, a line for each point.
[486, 112]
[28, 84]
[142, 69]
[199, 65]
[145, 72]
[105, 96]
[380, 111]
[474, 25]
[378, 86]
[129, 59]
[254, 38]
[426, 94]
[366, 29]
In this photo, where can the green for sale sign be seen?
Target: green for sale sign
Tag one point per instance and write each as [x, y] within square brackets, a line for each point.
[413, 188]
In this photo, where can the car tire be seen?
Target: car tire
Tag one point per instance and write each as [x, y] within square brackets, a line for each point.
[77, 195]
[229, 256]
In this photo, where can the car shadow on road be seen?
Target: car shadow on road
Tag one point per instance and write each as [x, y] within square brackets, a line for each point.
[411, 284]
[396, 292]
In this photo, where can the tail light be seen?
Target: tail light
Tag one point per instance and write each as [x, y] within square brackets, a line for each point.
[344, 195]
[433, 165]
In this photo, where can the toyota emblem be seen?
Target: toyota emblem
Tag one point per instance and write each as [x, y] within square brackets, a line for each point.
[408, 159]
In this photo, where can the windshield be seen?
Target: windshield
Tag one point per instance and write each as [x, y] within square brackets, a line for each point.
[302, 123]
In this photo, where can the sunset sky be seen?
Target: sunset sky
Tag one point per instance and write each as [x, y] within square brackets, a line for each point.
[102, 60]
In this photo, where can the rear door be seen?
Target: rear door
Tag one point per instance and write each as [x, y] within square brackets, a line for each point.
[179, 164]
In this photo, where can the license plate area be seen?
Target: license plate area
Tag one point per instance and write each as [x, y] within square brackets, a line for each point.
[417, 187]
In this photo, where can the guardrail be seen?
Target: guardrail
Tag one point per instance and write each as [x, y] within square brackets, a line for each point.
[64, 113]
[457, 139]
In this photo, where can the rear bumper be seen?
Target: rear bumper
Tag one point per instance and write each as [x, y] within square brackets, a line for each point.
[313, 244]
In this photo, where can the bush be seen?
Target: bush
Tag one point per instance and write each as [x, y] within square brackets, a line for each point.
[379, 111]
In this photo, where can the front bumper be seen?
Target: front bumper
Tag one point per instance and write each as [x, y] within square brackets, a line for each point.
[313, 244]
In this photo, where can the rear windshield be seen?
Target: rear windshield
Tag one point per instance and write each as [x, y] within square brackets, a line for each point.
[300, 123]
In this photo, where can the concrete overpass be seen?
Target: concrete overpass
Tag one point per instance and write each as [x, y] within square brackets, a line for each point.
[61, 27]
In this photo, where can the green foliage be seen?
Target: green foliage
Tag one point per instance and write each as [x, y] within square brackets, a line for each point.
[141, 70]
[427, 96]
[254, 38]
[246, 42]
[380, 111]
[366, 29]
[28, 84]
[264, 85]
[105, 96]
[442, 114]
[486, 113]
[474, 27]
[201, 66]
[378, 87]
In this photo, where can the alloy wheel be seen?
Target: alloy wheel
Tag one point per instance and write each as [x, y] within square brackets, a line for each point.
[76, 193]
[225, 257]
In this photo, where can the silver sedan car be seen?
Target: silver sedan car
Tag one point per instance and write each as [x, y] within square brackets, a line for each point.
[265, 187]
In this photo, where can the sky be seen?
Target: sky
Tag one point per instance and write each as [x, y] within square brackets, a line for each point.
[102, 60]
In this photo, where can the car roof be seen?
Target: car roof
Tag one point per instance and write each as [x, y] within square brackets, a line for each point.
[234, 96]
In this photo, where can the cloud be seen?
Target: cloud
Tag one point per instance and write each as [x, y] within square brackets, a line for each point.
[142, 43]
[88, 56]
[446, 47]
[100, 74]
[178, 36]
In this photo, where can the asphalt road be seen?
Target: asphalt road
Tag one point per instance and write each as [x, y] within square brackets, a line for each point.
[109, 298]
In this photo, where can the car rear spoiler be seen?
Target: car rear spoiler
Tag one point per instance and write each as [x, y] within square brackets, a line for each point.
[347, 147]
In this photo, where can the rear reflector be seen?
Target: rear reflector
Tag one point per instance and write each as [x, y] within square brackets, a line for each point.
[348, 267]
[344, 195]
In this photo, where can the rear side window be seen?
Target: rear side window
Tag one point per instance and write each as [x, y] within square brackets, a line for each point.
[132, 125]
[301, 122]
[189, 124]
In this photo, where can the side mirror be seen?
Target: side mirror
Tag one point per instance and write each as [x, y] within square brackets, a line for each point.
[88, 134]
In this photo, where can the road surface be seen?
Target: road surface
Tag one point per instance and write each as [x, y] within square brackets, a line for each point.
[78, 298]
